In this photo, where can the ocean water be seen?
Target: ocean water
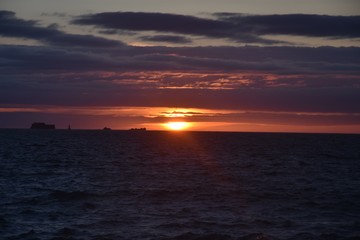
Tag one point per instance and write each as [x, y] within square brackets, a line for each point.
[103, 185]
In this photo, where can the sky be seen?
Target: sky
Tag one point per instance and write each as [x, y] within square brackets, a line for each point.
[230, 65]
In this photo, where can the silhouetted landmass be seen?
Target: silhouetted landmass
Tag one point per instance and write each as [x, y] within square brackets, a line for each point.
[41, 125]
[106, 129]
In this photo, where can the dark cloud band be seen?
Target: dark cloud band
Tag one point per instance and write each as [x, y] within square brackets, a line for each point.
[238, 27]
[167, 38]
[11, 26]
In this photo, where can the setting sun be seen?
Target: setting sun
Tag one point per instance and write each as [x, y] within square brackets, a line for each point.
[177, 126]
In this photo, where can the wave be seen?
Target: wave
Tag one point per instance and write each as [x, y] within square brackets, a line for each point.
[60, 185]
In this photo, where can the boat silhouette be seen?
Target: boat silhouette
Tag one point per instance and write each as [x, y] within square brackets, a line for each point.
[137, 129]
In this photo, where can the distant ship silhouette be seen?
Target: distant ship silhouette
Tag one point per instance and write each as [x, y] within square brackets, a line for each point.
[41, 125]
[137, 129]
[106, 129]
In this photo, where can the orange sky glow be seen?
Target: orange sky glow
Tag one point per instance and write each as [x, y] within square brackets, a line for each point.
[192, 119]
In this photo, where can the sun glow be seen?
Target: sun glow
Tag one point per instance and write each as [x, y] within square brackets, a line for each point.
[177, 126]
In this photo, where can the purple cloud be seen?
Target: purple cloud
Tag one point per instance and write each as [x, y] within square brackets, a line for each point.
[11, 26]
[237, 27]
[167, 38]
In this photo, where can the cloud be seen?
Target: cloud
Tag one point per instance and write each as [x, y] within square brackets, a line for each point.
[167, 38]
[11, 26]
[35, 59]
[141, 21]
[310, 25]
[77, 75]
[165, 22]
[245, 60]
[234, 26]
[304, 79]
[95, 89]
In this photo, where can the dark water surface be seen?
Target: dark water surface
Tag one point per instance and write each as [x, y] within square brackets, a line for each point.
[171, 185]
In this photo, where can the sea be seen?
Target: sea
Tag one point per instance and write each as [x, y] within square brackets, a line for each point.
[109, 185]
